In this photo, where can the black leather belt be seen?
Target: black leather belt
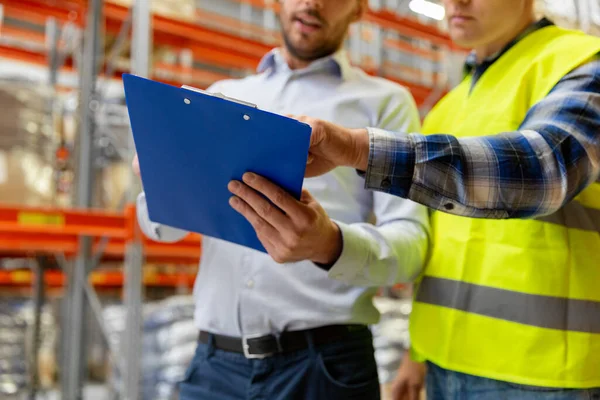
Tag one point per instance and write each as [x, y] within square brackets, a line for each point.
[269, 345]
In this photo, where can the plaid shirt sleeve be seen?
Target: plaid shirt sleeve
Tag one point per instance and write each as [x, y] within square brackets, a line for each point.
[534, 171]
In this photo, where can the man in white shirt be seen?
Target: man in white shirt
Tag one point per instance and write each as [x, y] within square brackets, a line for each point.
[273, 331]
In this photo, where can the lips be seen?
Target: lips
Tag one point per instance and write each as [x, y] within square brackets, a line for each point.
[307, 22]
[460, 18]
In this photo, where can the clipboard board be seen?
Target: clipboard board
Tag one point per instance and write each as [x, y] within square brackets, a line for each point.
[191, 144]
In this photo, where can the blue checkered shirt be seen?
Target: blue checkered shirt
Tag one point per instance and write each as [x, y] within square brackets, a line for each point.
[557, 148]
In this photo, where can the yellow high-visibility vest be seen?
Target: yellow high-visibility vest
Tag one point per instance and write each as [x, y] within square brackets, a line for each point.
[514, 300]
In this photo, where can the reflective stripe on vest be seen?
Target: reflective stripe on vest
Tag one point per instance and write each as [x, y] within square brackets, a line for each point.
[530, 309]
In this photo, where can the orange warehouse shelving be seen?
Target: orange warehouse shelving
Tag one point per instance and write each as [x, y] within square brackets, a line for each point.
[208, 45]
[34, 231]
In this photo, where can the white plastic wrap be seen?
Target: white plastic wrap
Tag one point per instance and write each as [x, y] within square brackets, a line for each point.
[390, 335]
[169, 341]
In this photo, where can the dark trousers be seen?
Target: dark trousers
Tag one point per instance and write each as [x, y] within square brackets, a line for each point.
[443, 384]
[341, 370]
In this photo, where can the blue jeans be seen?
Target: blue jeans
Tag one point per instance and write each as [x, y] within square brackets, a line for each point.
[340, 370]
[443, 384]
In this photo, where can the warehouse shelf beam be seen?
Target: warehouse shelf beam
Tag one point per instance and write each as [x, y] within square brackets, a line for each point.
[73, 369]
[131, 351]
[115, 52]
[96, 307]
[38, 303]
[38, 11]
[54, 279]
[28, 231]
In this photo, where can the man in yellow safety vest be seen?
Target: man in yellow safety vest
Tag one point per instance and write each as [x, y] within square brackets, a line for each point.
[509, 304]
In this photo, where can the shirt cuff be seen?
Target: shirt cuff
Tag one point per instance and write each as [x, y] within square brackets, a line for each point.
[355, 254]
[149, 228]
[154, 230]
[391, 165]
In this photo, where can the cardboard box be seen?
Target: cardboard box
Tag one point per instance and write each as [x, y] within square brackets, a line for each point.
[28, 140]
[25, 178]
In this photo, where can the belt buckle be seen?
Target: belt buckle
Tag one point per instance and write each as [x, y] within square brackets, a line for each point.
[246, 348]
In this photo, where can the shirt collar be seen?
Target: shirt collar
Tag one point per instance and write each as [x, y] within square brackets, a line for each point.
[471, 61]
[338, 63]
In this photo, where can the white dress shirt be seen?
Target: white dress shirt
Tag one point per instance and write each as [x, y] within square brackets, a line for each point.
[239, 291]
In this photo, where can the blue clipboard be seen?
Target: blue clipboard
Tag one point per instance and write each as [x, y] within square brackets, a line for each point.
[191, 144]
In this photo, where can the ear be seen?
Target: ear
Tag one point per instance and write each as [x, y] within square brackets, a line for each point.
[361, 9]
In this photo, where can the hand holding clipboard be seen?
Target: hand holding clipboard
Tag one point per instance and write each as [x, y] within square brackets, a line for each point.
[191, 144]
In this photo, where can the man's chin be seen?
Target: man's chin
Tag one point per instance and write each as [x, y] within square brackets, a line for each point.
[307, 53]
[306, 48]
[304, 43]
[463, 40]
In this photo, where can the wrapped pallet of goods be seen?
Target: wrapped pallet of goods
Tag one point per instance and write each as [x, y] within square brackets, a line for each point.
[168, 344]
[16, 354]
[390, 338]
[28, 142]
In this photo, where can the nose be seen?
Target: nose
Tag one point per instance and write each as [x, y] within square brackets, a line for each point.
[462, 2]
[452, 4]
[314, 4]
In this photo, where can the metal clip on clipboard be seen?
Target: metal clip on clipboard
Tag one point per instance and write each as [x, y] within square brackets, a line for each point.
[219, 95]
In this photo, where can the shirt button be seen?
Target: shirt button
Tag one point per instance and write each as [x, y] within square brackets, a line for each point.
[449, 206]
[386, 183]
[250, 284]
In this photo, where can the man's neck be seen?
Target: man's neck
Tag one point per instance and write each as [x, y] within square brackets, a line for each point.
[485, 51]
[293, 62]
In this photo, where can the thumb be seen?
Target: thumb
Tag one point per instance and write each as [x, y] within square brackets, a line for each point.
[306, 197]
[399, 390]
[414, 393]
[135, 164]
[316, 134]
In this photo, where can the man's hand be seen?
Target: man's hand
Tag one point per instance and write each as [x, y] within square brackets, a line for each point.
[290, 230]
[410, 379]
[333, 145]
[135, 164]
